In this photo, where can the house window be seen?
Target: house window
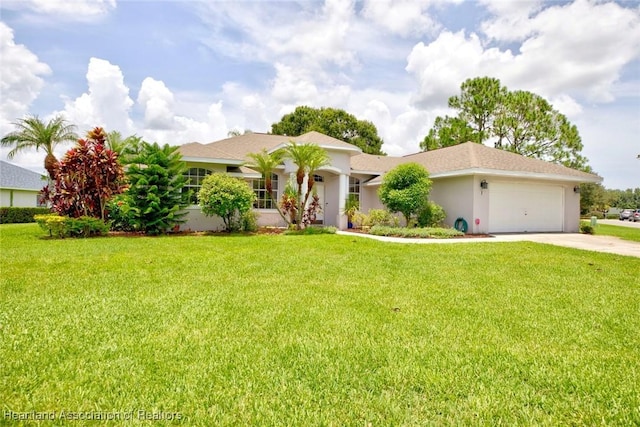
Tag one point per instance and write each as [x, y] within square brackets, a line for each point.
[354, 188]
[195, 177]
[318, 178]
[263, 201]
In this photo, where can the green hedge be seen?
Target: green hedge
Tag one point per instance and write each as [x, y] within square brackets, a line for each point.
[21, 215]
[429, 232]
[62, 226]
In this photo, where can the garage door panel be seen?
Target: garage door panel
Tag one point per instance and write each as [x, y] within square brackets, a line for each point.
[525, 208]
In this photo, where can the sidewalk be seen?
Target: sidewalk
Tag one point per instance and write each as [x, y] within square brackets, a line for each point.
[606, 244]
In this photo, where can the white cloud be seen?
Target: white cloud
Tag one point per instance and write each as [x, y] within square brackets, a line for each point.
[562, 56]
[107, 102]
[75, 10]
[568, 54]
[609, 135]
[321, 40]
[21, 78]
[297, 34]
[402, 17]
[566, 105]
[187, 129]
[157, 101]
[293, 85]
[441, 66]
[512, 19]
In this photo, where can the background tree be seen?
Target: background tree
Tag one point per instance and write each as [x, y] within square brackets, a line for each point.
[623, 199]
[238, 132]
[521, 122]
[86, 178]
[527, 124]
[592, 198]
[34, 133]
[333, 122]
[477, 104]
[227, 197]
[446, 132]
[405, 189]
[156, 180]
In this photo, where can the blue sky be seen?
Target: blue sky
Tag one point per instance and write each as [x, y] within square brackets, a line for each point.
[182, 71]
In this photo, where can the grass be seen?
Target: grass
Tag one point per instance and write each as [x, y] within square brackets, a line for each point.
[625, 233]
[318, 330]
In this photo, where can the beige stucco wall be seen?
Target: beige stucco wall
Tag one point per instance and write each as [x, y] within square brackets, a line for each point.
[571, 209]
[456, 196]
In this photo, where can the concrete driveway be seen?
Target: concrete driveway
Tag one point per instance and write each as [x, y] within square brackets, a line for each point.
[606, 244]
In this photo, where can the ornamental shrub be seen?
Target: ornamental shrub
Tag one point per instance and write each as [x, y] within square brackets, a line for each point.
[227, 197]
[85, 226]
[122, 216]
[405, 189]
[308, 231]
[586, 228]
[86, 178]
[249, 221]
[429, 232]
[53, 224]
[380, 217]
[63, 226]
[431, 215]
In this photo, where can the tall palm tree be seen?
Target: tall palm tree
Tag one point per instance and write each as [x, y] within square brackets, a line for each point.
[308, 158]
[125, 147]
[266, 163]
[34, 133]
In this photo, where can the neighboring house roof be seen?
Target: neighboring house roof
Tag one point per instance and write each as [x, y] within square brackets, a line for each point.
[471, 158]
[238, 147]
[18, 178]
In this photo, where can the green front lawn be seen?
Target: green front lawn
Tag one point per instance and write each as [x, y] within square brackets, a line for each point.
[318, 330]
[626, 233]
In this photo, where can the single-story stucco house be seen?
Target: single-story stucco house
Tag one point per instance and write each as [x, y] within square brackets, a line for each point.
[492, 190]
[19, 187]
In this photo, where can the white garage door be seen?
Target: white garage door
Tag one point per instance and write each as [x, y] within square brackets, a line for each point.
[525, 208]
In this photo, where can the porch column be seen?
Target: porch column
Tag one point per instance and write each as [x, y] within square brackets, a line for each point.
[343, 186]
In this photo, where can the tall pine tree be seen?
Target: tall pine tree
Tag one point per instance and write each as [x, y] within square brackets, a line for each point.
[156, 181]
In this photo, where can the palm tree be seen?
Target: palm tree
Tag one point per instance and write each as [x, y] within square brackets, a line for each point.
[266, 163]
[125, 147]
[309, 158]
[34, 133]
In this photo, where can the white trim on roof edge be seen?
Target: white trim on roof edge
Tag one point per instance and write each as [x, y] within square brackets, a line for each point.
[355, 150]
[515, 174]
[499, 173]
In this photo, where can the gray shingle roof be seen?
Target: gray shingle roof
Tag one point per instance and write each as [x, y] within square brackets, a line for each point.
[462, 159]
[16, 177]
[238, 147]
[471, 157]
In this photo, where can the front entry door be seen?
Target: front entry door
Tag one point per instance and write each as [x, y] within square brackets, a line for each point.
[318, 187]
